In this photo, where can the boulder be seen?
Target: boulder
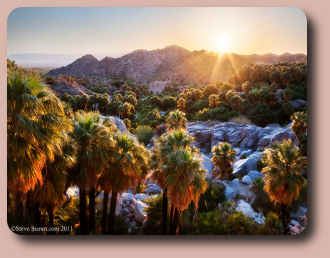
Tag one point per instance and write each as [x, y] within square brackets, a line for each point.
[229, 193]
[208, 166]
[145, 224]
[131, 208]
[127, 197]
[132, 224]
[139, 211]
[284, 134]
[129, 216]
[244, 166]
[234, 183]
[246, 180]
[125, 212]
[247, 210]
[203, 137]
[141, 196]
[255, 174]
[72, 191]
[152, 189]
[298, 103]
[300, 214]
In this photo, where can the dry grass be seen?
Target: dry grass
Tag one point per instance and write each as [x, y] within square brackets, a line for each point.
[241, 120]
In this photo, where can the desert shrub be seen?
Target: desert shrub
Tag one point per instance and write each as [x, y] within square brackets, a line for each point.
[261, 115]
[155, 215]
[298, 91]
[154, 115]
[260, 165]
[117, 83]
[262, 202]
[195, 106]
[127, 123]
[272, 225]
[227, 86]
[190, 117]
[121, 228]
[100, 90]
[155, 101]
[243, 156]
[211, 198]
[225, 223]
[217, 114]
[241, 120]
[144, 134]
[50, 80]
[209, 90]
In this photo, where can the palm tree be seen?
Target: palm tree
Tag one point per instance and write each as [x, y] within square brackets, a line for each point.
[181, 103]
[223, 158]
[36, 126]
[176, 120]
[185, 181]
[55, 176]
[166, 144]
[282, 176]
[299, 125]
[214, 100]
[128, 166]
[93, 137]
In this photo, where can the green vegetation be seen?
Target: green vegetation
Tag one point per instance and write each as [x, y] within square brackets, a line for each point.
[55, 142]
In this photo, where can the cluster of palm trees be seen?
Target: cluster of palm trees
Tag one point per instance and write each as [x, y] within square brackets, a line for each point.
[177, 168]
[47, 152]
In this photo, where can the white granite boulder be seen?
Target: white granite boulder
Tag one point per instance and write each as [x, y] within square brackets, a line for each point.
[139, 211]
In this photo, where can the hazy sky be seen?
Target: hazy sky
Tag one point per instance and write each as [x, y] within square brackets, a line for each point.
[122, 30]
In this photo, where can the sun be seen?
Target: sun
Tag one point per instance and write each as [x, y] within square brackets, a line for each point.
[223, 43]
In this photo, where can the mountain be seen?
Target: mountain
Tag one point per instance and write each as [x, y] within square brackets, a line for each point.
[170, 64]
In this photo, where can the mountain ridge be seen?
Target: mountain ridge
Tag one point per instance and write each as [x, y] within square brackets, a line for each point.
[171, 64]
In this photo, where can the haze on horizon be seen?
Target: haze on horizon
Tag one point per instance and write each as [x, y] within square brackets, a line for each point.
[115, 31]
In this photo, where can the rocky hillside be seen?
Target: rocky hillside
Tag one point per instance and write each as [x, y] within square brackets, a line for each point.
[170, 64]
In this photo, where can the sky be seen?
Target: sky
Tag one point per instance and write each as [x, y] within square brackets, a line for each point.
[116, 31]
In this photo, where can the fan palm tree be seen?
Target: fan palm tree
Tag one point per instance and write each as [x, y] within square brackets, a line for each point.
[51, 191]
[214, 100]
[36, 126]
[176, 120]
[223, 158]
[128, 166]
[181, 103]
[166, 144]
[282, 176]
[299, 125]
[185, 181]
[93, 137]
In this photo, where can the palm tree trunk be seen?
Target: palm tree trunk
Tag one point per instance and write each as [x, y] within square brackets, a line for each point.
[36, 215]
[176, 221]
[82, 211]
[171, 220]
[105, 212]
[111, 226]
[50, 210]
[19, 214]
[165, 211]
[285, 219]
[91, 209]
